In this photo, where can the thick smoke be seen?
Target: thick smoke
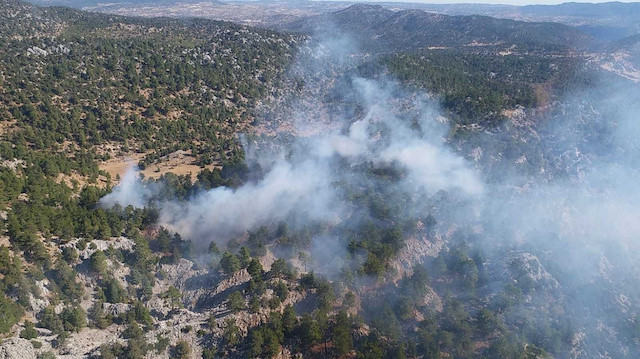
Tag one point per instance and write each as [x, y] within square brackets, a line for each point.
[563, 191]
[573, 202]
[130, 192]
[304, 181]
[431, 166]
[222, 213]
[590, 147]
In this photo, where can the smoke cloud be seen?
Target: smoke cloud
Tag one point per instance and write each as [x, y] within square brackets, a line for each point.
[304, 182]
[223, 213]
[563, 191]
[130, 192]
[571, 200]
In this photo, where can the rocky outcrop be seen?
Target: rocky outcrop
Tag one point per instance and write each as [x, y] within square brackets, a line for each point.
[17, 348]
[416, 248]
[116, 309]
[526, 265]
[122, 243]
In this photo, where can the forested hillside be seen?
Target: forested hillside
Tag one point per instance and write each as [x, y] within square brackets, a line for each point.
[483, 87]
[430, 187]
[378, 29]
[77, 89]
[99, 83]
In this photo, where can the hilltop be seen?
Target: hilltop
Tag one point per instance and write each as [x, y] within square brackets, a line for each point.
[379, 29]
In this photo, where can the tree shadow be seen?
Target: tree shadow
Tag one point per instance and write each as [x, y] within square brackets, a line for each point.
[209, 302]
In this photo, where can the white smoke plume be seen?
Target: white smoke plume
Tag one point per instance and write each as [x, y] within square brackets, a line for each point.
[576, 209]
[304, 182]
[576, 206]
[130, 191]
[222, 213]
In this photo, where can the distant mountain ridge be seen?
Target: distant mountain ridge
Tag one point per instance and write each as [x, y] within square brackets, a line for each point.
[631, 47]
[88, 3]
[608, 21]
[377, 28]
[616, 8]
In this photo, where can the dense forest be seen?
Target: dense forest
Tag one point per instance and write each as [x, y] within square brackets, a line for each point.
[77, 88]
[480, 87]
[154, 86]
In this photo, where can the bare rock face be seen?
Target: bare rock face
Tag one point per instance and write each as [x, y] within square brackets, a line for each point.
[415, 250]
[122, 243]
[286, 354]
[88, 341]
[526, 265]
[204, 294]
[179, 272]
[116, 309]
[192, 282]
[17, 348]
[38, 304]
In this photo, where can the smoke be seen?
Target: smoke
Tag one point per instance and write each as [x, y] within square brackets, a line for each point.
[564, 191]
[376, 123]
[305, 181]
[592, 146]
[431, 166]
[573, 203]
[222, 213]
[130, 192]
